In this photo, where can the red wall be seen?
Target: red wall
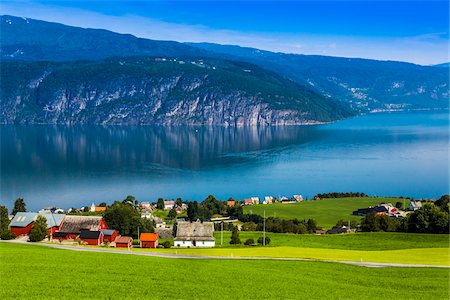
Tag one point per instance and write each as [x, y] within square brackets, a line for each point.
[103, 225]
[111, 238]
[148, 244]
[95, 242]
[124, 245]
[22, 230]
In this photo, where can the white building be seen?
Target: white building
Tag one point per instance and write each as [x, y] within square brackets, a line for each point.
[414, 205]
[298, 198]
[195, 235]
[168, 205]
[269, 200]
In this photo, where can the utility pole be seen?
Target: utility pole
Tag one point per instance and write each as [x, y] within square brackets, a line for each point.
[139, 237]
[221, 233]
[264, 229]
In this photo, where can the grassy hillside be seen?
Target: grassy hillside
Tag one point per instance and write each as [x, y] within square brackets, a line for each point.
[33, 272]
[326, 211]
[369, 241]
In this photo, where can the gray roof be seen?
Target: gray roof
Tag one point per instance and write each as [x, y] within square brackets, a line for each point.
[108, 232]
[74, 224]
[187, 231]
[53, 220]
[22, 219]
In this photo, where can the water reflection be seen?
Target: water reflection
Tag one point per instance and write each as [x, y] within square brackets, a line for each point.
[39, 150]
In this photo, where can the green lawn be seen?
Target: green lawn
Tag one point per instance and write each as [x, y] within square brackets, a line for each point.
[326, 211]
[421, 256]
[36, 272]
[355, 241]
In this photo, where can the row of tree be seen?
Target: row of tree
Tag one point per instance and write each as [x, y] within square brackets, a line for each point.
[340, 195]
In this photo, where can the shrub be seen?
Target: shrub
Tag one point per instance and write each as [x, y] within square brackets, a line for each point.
[39, 230]
[166, 244]
[235, 236]
[249, 226]
[7, 235]
[261, 239]
[249, 242]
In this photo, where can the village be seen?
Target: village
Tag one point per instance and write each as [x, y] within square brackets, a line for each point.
[87, 225]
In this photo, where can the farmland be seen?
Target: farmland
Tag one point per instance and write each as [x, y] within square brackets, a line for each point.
[325, 211]
[103, 275]
[368, 241]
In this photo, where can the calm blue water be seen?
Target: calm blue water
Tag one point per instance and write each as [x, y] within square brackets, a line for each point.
[380, 154]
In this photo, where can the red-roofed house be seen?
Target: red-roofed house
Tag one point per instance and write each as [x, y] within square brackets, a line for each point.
[149, 240]
[124, 242]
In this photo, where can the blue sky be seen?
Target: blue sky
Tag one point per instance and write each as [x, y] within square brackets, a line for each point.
[413, 31]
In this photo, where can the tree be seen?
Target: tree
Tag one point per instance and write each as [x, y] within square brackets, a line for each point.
[172, 214]
[160, 203]
[179, 202]
[249, 242]
[443, 202]
[103, 204]
[249, 226]
[398, 205]
[5, 234]
[261, 240]
[131, 200]
[370, 223]
[428, 219]
[311, 225]
[126, 218]
[39, 230]
[4, 220]
[19, 206]
[235, 240]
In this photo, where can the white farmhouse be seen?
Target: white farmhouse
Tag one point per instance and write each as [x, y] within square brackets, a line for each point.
[195, 235]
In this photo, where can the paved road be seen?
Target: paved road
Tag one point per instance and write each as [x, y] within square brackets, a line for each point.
[184, 256]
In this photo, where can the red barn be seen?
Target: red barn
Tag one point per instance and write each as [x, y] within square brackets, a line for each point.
[109, 234]
[22, 223]
[73, 225]
[124, 242]
[149, 240]
[91, 237]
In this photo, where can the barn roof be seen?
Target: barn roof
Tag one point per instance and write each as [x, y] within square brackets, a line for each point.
[123, 240]
[53, 220]
[187, 231]
[90, 234]
[74, 224]
[148, 237]
[108, 232]
[23, 219]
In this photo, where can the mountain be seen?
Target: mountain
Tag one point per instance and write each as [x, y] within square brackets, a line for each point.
[443, 65]
[149, 90]
[29, 39]
[367, 85]
[53, 73]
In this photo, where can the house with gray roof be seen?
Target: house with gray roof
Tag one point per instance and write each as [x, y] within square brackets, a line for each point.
[23, 221]
[195, 235]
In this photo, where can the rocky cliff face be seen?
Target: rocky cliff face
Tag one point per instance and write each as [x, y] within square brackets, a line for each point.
[149, 91]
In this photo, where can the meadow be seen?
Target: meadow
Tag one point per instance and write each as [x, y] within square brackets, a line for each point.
[36, 272]
[368, 241]
[325, 211]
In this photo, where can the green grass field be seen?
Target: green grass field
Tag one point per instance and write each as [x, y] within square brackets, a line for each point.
[326, 211]
[36, 272]
[368, 241]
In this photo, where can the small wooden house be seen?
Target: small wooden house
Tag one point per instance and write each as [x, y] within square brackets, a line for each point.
[91, 237]
[109, 234]
[149, 240]
[123, 242]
